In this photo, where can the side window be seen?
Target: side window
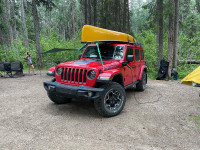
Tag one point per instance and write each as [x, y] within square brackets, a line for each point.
[142, 54]
[118, 52]
[129, 52]
[137, 56]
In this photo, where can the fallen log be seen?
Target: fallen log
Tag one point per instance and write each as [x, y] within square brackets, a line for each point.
[189, 61]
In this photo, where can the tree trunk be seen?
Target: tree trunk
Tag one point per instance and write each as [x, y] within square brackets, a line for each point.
[89, 12]
[198, 5]
[14, 24]
[24, 29]
[37, 33]
[176, 23]
[105, 14]
[7, 19]
[116, 15]
[129, 28]
[170, 38]
[160, 29]
[124, 15]
[2, 42]
[68, 30]
[73, 18]
[119, 16]
[86, 12]
[95, 12]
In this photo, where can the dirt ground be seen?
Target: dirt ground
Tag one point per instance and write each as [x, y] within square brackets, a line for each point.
[157, 118]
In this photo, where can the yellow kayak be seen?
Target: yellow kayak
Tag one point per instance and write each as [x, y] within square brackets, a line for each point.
[96, 34]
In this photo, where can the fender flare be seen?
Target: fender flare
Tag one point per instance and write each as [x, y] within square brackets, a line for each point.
[142, 68]
[111, 74]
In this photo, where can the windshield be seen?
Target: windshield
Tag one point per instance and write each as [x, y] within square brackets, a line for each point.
[107, 52]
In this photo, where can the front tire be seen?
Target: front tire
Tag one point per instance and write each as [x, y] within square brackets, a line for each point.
[142, 84]
[58, 99]
[112, 100]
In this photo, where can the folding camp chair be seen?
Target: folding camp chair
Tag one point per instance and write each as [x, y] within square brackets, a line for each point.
[17, 67]
[7, 67]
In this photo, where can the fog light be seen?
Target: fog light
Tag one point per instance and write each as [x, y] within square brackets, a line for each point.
[90, 94]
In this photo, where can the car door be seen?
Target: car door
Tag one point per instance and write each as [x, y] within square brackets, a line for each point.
[128, 68]
[137, 62]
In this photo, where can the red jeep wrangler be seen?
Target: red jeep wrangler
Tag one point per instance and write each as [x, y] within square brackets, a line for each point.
[102, 74]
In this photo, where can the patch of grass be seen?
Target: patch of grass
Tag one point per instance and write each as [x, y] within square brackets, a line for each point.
[196, 119]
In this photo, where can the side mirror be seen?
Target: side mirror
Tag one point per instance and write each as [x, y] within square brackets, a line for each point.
[124, 63]
[129, 58]
[79, 56]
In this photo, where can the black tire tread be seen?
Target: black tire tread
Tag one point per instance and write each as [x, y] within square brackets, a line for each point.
[98, 103]
[139, 85]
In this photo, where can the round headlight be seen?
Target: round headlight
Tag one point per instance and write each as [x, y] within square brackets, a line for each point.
[91, 74]
[58, 71]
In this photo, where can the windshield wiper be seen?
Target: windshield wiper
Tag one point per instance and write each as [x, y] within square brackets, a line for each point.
[104, 57]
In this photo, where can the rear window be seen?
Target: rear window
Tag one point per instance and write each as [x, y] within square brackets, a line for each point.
[137, 56]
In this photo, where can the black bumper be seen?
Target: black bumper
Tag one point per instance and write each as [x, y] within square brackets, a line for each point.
[73, 91]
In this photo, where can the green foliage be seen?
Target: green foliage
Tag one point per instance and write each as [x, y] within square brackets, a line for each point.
[188, 49]
[148, 40]
[16, 52]
[185, 69]
[53, 41]
[47, 3]
[1, 54]
[139, 17]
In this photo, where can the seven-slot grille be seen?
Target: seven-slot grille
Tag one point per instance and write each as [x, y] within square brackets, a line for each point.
[74, 75]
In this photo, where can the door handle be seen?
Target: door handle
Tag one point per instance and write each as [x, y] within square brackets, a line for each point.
[133, 66]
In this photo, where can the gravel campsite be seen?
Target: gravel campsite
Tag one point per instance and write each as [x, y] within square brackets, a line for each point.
[99, 74]
[158, 118]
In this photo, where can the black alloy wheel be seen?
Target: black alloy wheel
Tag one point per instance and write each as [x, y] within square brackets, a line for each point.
[113, 100]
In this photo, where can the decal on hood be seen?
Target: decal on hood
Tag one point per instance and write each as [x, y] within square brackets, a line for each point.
[84, 62]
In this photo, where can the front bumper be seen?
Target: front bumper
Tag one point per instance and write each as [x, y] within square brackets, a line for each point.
[73, 91]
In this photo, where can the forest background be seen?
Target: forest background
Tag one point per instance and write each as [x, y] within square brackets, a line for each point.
[167, 29]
